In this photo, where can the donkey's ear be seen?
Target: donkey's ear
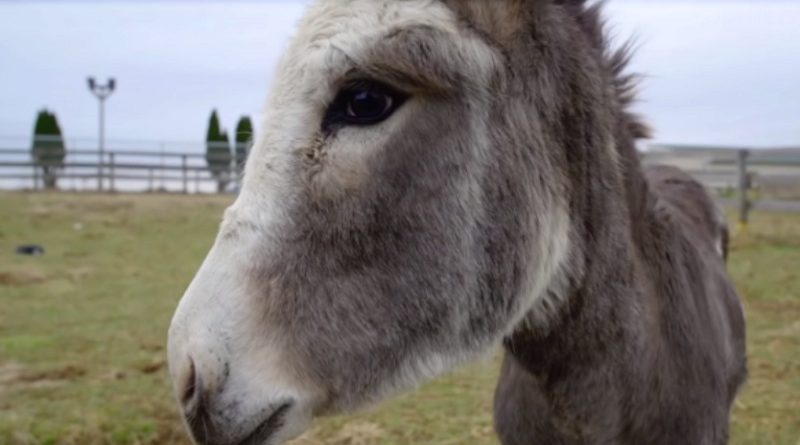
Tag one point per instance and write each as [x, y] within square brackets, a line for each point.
[499, 19]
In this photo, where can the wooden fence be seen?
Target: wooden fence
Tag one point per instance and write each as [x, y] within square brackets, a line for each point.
[121, 171]
[748, 179]
[764, 178]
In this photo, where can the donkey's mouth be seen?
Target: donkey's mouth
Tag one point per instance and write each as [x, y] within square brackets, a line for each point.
[268, 428]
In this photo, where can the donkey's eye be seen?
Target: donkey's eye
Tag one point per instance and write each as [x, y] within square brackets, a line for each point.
[364, 103]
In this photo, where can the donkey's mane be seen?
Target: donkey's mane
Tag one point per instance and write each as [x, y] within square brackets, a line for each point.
[616, 61]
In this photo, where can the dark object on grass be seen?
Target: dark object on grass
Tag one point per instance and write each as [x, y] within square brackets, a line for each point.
[30, 250]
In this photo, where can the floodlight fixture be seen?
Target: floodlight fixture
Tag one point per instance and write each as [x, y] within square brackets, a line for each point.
[101, 92]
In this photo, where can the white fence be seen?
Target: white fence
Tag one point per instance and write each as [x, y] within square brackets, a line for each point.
[127, 166]
[770, 177]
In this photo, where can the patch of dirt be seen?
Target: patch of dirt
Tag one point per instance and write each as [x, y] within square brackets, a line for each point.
[14, 372]
[153, 367]
[359, 433]
[10, 372]
[40, 211]
[69, 372]
[354, 433]
[152, 347]
[114, 374]
[22, 277]
[79, 274]
[16, 376]
[482, 431]
[783, 307]
[790, 331]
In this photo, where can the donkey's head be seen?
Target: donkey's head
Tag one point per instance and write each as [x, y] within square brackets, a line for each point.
[407, 205]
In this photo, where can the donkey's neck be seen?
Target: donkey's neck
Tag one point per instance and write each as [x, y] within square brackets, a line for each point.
[611, 216]
[563, 376]
[595, 316]
[548, 363]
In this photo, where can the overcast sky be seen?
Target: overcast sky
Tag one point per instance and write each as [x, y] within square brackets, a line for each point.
[718, 72]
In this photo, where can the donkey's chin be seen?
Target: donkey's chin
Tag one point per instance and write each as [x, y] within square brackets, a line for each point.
[277, 426]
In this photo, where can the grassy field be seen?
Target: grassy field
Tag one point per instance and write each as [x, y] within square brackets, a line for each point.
[82, 330]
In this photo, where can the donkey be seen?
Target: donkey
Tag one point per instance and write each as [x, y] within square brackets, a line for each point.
[435, 178]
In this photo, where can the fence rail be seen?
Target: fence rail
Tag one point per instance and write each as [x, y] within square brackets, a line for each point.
[770, 176]
[123, 170]
[762, 179]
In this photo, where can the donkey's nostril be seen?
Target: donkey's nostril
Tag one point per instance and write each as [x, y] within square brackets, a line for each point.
[190, 386]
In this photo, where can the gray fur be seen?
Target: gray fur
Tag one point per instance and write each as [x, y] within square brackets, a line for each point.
[636, 337]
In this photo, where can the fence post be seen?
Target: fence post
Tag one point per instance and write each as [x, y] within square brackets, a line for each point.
[100, 172]
[111, 172]
[35, 176]
[150, 180]
[184, 167]
[744, 187]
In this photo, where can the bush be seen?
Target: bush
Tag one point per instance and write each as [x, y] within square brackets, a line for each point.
[48, 147]
[218, 153]
[244, 140]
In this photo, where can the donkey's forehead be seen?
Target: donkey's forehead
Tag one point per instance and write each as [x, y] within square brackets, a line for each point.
[420, 39]
[497, 18]
[344, 21]
[339, 35]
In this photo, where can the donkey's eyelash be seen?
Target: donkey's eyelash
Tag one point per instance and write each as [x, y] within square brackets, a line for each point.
[358, 84]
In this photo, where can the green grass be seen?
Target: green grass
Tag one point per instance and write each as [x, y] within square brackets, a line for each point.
[82, 330]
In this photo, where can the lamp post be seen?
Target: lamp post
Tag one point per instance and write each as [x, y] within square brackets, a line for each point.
[102, 92]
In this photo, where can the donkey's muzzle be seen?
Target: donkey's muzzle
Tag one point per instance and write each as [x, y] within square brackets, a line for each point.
[232, 378]
[209, 419]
